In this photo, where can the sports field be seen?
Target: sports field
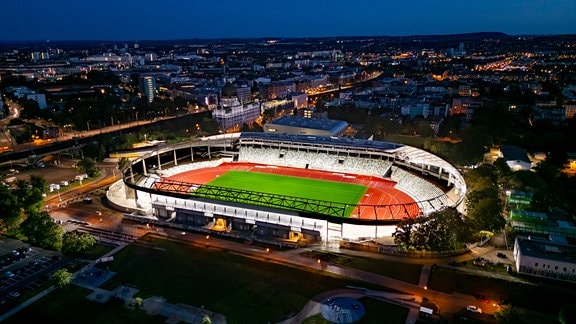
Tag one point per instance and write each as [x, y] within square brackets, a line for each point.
[358, 196]
[305, 188]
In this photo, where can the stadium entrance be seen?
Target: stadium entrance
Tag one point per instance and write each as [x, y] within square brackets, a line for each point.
[220, 225]
[295, 236]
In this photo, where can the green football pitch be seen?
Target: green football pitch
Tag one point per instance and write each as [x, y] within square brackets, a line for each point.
[302, 188]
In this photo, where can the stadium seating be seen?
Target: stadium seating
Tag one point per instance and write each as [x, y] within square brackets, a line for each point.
[429, 196]
[315, 161]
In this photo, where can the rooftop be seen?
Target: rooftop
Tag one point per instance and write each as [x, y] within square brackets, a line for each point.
[540, 248]
[312, 123]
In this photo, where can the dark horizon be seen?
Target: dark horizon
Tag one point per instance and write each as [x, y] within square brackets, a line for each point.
[471, 34]
[111, 20]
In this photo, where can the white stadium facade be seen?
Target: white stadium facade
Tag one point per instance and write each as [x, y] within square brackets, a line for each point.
[430, 181]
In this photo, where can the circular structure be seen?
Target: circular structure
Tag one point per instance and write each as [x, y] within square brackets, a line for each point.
[338, 187]
[342, 310]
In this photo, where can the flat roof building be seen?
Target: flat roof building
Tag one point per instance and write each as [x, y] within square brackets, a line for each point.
[542, 258]
[296, 125]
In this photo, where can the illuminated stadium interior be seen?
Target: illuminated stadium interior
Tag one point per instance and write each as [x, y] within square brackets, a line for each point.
[290, 187]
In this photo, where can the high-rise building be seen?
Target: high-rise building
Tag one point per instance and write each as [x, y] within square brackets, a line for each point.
[148, 87]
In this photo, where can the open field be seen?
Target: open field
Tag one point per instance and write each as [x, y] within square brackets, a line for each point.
[245, 290]
[385, 201]
[306, 188]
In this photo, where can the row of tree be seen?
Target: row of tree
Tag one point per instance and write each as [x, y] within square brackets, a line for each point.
[23, 217]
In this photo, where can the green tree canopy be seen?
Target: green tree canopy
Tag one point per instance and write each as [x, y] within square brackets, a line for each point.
[41, 230]
[75, 242]
[441, 231]
[62, 278]
[12, 214]
[87, 165]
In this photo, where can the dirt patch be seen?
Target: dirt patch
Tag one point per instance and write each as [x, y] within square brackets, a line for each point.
[52, 174]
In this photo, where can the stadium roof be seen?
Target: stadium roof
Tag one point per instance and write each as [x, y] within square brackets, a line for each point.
[418, 156]
[325, 140]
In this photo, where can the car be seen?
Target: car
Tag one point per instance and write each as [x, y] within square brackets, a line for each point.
[473, 309]
[501, 255]
[481, 298]
[14, 294]
[9, 274]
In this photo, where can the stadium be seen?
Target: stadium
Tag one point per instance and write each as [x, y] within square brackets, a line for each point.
[287, 188]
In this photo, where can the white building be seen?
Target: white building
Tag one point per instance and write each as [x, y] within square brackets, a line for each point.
[516, 158]
[541, 258]
[235, 116]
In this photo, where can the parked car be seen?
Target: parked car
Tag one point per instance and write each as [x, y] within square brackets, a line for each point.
[473, 309]
[482, 299]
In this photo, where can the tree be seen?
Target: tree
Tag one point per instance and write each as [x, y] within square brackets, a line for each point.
[440, 231]
[485, 211]
[62, 278]
[29, 193]
[138, 302]
[40, 230]
[12, 215]
[206, 320]
[403, 234]
[88, 166]
[75, 242]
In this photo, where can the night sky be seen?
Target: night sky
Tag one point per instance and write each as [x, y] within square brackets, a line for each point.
[181, 19]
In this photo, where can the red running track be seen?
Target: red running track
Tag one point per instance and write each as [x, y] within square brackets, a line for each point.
[381, 200]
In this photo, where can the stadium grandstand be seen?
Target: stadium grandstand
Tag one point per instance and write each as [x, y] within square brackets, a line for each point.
[288, 188]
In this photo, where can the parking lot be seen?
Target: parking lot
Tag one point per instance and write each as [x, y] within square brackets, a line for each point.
[23, 268]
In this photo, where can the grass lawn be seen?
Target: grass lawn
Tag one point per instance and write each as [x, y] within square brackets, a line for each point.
[95, 252]
[377, 311]
[245, 290]
[305, 188]
[402, 271]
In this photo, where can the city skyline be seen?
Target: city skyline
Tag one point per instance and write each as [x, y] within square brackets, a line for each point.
[173, 19]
